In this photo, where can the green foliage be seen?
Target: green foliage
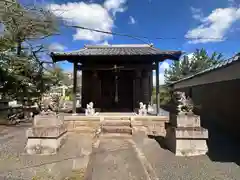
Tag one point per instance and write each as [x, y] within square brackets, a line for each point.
[26, 23]
[22, 72]
[164, 95]
[200, 60]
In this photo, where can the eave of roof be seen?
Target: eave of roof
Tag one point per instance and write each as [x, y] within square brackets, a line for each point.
[117, 50]
[220, 65]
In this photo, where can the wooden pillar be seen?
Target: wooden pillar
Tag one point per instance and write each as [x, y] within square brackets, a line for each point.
[150, 85]
[134, 93]
[157, 87]
[145, 86]
[74, 87]
[137, 88]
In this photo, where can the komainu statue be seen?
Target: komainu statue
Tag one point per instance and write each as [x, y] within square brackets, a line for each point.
[142, 109]
[90, 110]
[184, 104]
[50, 104]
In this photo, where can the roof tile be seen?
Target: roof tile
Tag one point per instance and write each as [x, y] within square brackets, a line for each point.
[221, 64]
[119, 51]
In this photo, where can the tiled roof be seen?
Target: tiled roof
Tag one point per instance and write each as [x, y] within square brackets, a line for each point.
[221, 64]
[119, 50]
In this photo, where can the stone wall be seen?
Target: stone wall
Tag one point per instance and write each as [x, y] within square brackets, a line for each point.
[220, 104]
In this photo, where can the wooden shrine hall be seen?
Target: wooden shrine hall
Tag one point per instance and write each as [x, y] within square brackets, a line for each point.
[116, 77]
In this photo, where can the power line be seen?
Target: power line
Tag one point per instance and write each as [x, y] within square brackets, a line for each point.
[112, 33]
[139, 37]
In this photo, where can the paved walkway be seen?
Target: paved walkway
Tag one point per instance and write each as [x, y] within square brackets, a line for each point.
[116, 159]
[143, 158]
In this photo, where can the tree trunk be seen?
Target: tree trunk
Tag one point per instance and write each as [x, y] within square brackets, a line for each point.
[19, 47]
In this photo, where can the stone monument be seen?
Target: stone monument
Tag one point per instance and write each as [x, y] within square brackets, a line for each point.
[142, 110]
[46, 135]
[90, 111]
[185, 136]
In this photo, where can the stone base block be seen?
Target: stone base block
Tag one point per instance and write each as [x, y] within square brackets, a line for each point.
[185, 142]
[191, 133]
[46, 132]
[190, 147]
[185, 120]
[43, 120]
[45, 140]
[48, 146]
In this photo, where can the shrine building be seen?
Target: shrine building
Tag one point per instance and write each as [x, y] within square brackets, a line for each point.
[116, 77]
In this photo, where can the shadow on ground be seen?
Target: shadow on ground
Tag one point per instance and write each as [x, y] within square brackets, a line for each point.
[160, 140]
[222, 147]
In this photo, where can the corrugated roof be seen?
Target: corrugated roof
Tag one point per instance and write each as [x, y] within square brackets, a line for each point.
[119, 50]
[220, 65]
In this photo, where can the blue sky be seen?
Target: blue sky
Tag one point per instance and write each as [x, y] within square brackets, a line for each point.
[215, 22]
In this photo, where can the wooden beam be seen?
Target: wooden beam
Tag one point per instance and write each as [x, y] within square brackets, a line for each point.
[74, 87]
[121, 67]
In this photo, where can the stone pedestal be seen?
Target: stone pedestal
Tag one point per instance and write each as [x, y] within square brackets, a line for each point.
[185, 136]
[46, 136]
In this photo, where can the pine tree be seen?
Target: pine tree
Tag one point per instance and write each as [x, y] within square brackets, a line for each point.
[200, 61]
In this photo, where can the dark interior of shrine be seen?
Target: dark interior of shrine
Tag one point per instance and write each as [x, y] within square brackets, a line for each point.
[111, 90]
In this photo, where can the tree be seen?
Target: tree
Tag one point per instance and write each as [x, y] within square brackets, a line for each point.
[21, 67]
[200, 61]
[26, 23]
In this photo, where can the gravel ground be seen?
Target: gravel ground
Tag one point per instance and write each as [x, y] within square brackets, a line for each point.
[167, 166]
[16, 164]
[115, 159]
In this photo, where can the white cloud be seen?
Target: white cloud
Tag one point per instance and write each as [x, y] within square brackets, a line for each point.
[189, 55]
[197, 13]
[115, 6]
[215, 26]
[104, 43]
[231, 2]
[90, 15]
[162, 69]
[56, 47]
[131, 20]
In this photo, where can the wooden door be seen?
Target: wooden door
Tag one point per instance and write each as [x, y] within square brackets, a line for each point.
[107, 90]
[125, 91]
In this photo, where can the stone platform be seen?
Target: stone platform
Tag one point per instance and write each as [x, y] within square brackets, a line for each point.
[152, 125]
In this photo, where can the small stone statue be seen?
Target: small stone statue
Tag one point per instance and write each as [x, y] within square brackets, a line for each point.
[142, 109]
[90, 110]
[185, 104]
[150, 108]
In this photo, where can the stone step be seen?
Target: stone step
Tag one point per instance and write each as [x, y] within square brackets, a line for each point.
[117, 129]
[116, 123]
[83, 129]
[116, 136]
[117, 118]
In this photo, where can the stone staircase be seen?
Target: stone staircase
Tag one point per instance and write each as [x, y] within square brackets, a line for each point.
[116, 126]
